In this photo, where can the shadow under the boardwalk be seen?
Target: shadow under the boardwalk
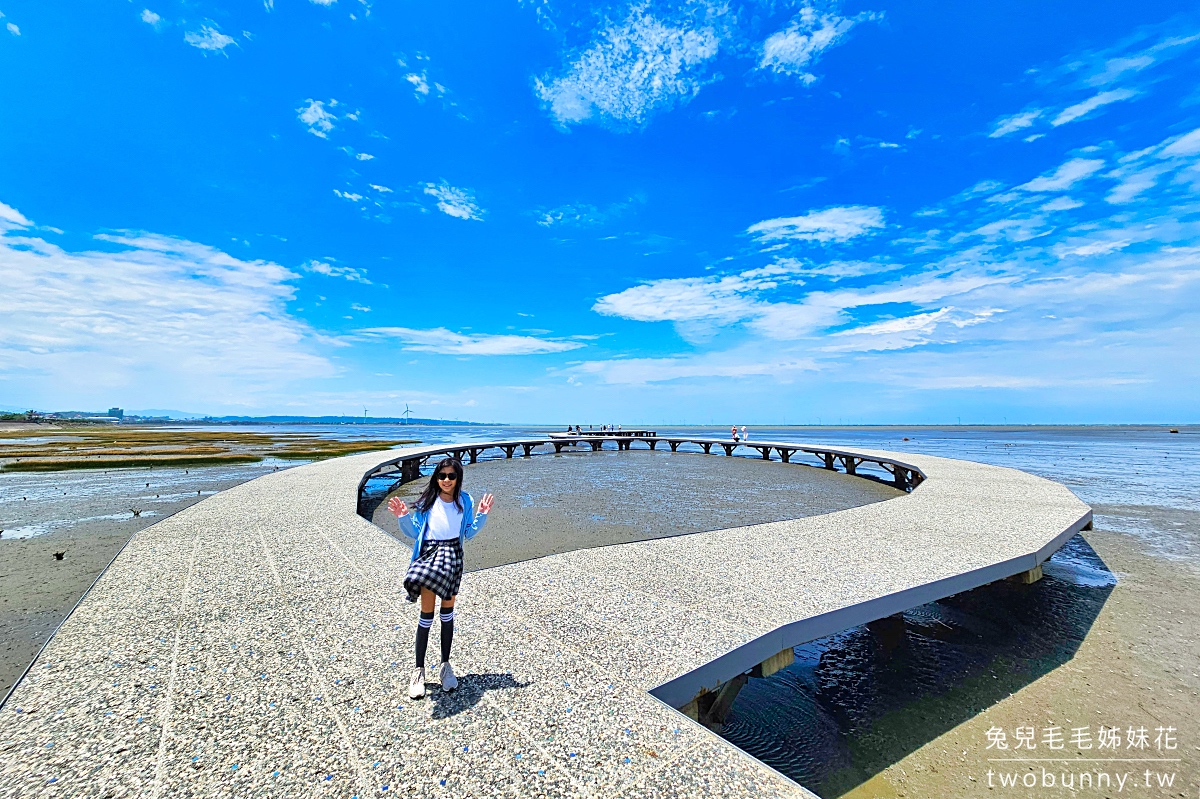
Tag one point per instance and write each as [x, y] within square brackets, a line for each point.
[854, 703]
[471, 688]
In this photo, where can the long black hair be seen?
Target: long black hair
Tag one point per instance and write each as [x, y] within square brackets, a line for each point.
[431, 492]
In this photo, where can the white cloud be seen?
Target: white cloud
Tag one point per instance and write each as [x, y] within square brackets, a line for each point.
[1067, 175]
[1074, 112]
[908, 331]
[13, 29]
[580, 214]
[791, 50]
[184, 316]
[1019, 228]
[380, 189]
[1117, 67]
[1100, 247]
[1134, 182]
[316, 117]
[834, 270]
[698, 306]
[364, 156]
[459, 203]
[445, 342]
[209, 39]
[1186, 145]
[150, 18]
[585, 214]
[632, 69]
[716, 299]
[1139, 172]
[420, 84]
[1063, 203]
[423, 87]
[333, 270]
[11, 217]
[348, 195]
[1012, 124]
[326, 3]
[831, 224]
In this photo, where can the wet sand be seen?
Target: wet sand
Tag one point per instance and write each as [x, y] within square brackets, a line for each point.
[37, 591]
[1136, 666]
[1108, 637]
[559, 503]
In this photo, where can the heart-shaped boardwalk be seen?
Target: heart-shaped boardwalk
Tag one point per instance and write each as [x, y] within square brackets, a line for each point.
[258, 644]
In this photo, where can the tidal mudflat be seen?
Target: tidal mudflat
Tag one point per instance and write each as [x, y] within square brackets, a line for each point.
[87, 516]
[558, 503]
[83, 491]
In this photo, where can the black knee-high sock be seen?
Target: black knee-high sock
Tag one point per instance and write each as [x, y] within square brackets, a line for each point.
[447, 633]
[423, 625]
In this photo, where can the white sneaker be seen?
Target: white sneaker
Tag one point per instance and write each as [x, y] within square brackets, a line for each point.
[446, 677]
[416, 686]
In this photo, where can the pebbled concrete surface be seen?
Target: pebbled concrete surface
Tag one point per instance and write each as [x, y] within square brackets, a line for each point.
[258, 644]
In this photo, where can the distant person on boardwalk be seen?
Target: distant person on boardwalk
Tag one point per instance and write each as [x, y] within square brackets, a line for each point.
[441, 519]
[745, 435]
[733, 433]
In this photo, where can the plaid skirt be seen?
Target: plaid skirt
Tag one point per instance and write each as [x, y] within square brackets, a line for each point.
[439, 568]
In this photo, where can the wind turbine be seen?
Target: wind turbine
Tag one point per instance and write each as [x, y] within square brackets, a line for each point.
[364, 414]
[407, 414]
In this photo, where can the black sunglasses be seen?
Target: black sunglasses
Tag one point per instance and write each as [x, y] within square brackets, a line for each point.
[447, 476]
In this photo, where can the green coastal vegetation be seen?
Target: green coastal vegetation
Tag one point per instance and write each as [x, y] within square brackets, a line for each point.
[44, 448]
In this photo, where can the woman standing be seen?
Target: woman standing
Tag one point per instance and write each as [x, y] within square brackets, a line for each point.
[441, 519]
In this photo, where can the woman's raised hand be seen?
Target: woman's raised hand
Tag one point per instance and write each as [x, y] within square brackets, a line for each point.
[397, 506]
[485, 504]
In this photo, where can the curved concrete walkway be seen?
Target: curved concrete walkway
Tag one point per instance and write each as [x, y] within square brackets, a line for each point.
[258, 644]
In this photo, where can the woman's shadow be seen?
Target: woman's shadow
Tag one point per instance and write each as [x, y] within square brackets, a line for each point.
[471, 688]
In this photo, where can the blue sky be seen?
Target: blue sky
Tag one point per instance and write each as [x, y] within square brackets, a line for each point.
[541, 211]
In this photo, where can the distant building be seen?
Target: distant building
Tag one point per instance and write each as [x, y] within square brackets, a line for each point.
[117, 412]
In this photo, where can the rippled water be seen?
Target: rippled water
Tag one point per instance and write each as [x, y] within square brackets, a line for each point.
[802, 719]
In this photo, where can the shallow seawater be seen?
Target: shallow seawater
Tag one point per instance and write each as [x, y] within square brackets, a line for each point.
[977, 644]
[558, 503]
[37, 503]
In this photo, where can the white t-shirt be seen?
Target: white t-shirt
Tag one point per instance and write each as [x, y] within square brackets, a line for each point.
[445, 521]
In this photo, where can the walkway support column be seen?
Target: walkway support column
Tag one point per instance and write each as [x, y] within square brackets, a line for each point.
[1029, 577]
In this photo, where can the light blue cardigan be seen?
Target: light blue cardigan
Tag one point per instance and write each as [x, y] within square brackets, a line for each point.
[414, 524]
